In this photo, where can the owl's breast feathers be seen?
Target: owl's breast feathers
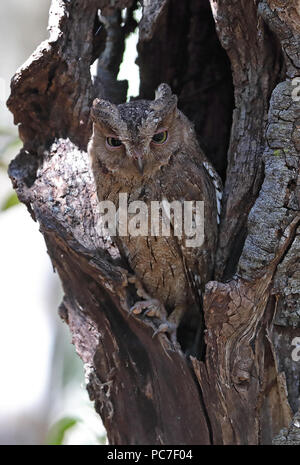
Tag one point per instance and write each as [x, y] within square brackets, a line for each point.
[169, 270]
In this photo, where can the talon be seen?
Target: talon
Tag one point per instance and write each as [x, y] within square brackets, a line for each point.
[136, 309]
[152, 307]
[151, 312]
[167, 327]
[163, 328]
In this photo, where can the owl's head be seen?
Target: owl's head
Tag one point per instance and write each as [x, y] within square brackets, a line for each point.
[136, 139]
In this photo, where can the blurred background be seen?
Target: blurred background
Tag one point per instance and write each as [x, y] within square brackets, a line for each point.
[43, 399]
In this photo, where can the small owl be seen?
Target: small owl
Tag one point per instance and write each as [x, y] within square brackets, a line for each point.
[149, 151]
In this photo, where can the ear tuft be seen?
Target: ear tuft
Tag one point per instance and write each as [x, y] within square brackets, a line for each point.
[165, 102]
[163, 91]
[104, 111]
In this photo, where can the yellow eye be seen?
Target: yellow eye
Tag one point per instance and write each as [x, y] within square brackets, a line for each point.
[113, 142]
[160, 137]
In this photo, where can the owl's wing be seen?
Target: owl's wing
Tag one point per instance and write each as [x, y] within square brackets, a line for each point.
[194, 181]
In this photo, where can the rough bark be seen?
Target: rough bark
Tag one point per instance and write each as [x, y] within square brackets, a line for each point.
[147, 391]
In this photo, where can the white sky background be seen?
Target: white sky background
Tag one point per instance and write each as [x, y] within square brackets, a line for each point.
[26, 327]
[26, 282]
[128, 69]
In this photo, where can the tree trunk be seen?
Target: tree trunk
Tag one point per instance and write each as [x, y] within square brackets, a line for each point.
[233, 65]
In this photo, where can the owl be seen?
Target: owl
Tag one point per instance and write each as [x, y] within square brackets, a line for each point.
[148, 150]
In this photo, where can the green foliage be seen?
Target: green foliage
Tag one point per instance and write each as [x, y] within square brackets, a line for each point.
[102, 439]
[11, 147]
[6, 131]
[10, 201]
[13, 142]
[58, 430]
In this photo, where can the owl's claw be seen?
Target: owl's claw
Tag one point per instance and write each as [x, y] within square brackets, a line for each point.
[153, 308]
[167, 327]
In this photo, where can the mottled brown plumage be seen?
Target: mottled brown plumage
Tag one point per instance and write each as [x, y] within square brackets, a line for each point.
[174, 170]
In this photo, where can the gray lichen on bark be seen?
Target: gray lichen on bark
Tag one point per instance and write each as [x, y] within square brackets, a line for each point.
[289, 436]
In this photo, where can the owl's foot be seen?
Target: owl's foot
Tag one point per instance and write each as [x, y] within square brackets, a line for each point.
[171, 324]
[153, 308]
[150, 307]
[167, 327]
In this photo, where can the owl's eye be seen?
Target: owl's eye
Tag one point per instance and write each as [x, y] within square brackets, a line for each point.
[113, 142]
[160, 137]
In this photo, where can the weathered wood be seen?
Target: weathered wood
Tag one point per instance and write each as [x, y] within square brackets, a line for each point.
[289, 436]
[145, 389]
[181, 40]
[255, 69]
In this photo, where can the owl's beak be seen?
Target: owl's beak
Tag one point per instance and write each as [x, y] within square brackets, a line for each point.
[138, 160]
[140, 165]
